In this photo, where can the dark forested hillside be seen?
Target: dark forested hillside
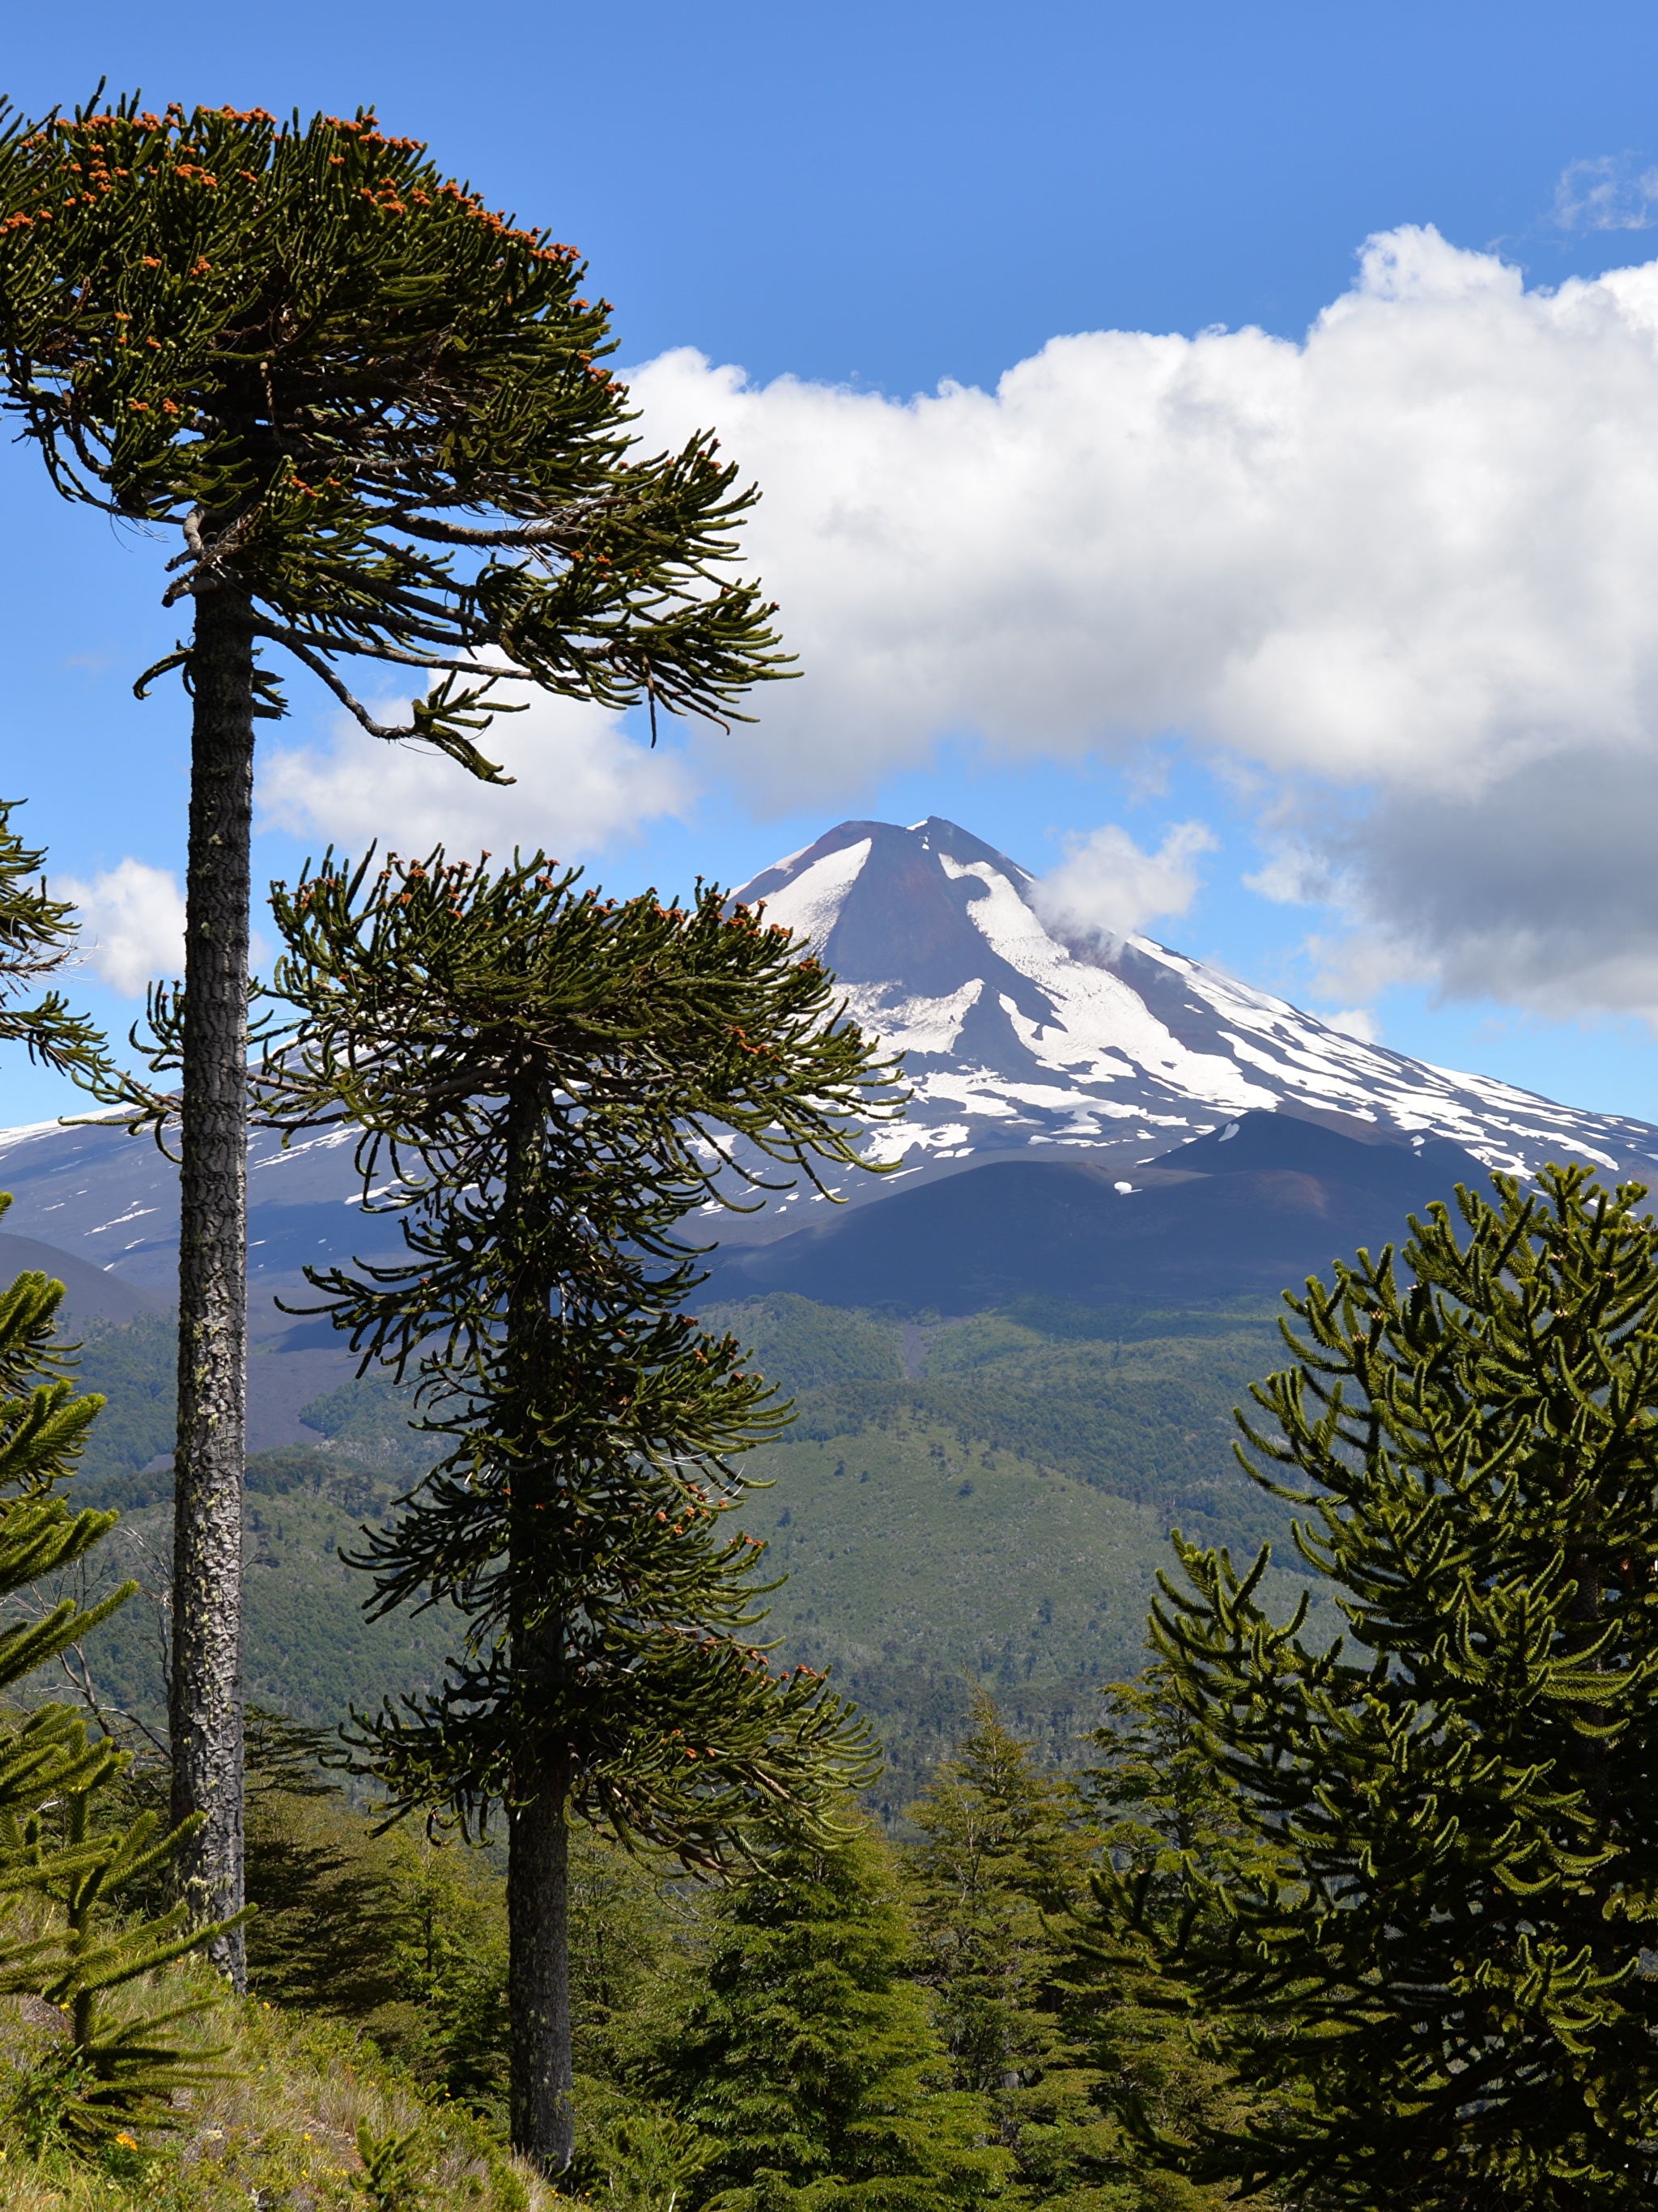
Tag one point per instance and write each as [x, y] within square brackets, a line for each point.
[310, 1651]
[986, 1503]
[981, 1502]
[1135, 1402]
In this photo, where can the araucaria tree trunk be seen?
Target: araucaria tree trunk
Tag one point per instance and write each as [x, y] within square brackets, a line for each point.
[539, 1992]
[538, 1858]
[205, 1700]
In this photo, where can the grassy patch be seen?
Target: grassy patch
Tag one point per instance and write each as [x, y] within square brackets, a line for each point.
[281, 2131]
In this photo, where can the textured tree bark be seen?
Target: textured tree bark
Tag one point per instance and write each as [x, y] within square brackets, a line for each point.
[538, 1934]
[538, 1843]
[205, 1694]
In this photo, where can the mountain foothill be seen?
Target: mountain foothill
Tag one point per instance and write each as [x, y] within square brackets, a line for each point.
[1014, 1352]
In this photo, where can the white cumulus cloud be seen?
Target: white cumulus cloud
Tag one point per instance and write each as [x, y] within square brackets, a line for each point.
[582, 783]
[132, 924]
[1415, 547]
[1108, 885]
[1409, 560]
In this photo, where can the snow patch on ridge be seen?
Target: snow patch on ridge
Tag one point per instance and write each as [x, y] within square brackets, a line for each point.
[811, 905]
[1095, 1015]
[915, 1025]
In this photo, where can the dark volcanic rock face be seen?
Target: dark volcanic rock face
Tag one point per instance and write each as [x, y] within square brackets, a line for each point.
[1247, 1212]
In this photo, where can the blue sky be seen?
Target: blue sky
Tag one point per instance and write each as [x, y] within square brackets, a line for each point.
[879, 200]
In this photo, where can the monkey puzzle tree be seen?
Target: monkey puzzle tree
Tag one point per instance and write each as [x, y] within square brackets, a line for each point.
[1436, 1983]
[56, 1841]
[547, 1085]
[374, 413]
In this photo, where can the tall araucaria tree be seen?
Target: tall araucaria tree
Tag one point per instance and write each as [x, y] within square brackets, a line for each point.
[1434, 1985]
[375, 414]
[547, 1085]
[62, 1860]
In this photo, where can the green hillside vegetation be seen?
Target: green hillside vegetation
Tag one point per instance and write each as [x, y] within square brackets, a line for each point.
[366, 1423]
[996, 1520]
[842, 2002]
[304, 2106]
[137, 1370]
[311, 1652]
[1137, 1404]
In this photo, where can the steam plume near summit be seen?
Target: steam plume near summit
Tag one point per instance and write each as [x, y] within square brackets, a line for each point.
[1106, 887]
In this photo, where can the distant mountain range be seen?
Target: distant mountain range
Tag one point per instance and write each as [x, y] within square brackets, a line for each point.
[1089, 1121]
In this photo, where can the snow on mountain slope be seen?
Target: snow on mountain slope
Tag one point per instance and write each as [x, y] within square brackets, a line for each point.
[1015, 1039]
[112, 1201]
[1016, 1043]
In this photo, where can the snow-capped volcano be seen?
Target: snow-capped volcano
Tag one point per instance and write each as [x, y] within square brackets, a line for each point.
[1018, 1045]
[1015, 1038]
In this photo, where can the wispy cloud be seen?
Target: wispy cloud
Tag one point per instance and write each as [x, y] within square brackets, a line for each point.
[1108, 885]
[1357, 1022]
[1606, 193]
